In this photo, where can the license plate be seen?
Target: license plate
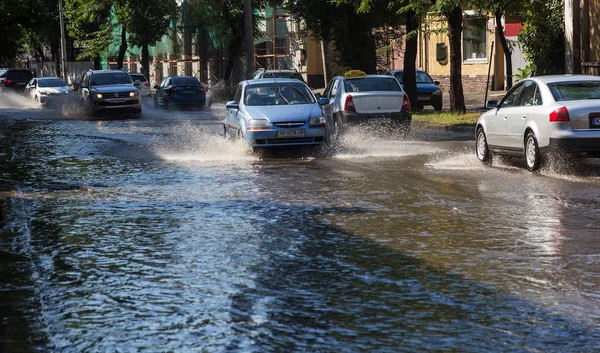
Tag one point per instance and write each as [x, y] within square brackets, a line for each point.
[379, 120]
[188, 92]
[117, 100]
[422, 98]
[595, 120]
[290, 133]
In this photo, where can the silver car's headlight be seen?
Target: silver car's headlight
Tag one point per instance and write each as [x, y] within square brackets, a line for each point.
[317, 121]
[258, 124]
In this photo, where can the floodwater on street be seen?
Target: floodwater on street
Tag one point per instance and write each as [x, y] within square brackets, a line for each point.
[156, 234]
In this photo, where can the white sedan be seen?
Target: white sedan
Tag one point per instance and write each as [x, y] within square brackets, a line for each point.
[541, 117]
[45, 89]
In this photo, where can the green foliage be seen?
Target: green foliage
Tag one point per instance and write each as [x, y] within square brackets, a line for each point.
[525, 72]
[89, 23]
[543, 36]
[356, 28]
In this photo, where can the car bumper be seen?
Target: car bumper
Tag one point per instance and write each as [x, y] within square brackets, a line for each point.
[173, 99]
[402, 118]
[270, 138]
[428, 99]
[587, 146]
[118, 106]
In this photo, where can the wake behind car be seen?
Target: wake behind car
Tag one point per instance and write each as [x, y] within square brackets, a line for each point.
[542, 117]
[48, 90]
[428, 90]
[15, 80]
[109, 91]
[276, 113]
[180, 90]
[360, 99]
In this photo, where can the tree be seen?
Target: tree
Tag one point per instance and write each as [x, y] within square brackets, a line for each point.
[543, 36]
[225, 20]
[89, 23]
[148, 21]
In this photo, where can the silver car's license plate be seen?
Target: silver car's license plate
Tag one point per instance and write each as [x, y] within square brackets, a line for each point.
[291, 133]
[594, 122]
[379, 120]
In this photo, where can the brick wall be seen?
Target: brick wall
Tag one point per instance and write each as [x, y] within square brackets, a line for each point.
[475, 83]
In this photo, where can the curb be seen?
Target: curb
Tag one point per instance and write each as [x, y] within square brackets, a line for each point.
[439, 127]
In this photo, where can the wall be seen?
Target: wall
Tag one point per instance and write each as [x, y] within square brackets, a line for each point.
[474, 71]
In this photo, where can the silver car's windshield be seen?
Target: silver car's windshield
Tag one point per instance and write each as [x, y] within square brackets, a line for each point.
[576, 90]
[367, 84]
[117, 78]
[52, 82]
[277, 94]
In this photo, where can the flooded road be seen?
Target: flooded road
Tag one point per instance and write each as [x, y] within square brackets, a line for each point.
[158, 235]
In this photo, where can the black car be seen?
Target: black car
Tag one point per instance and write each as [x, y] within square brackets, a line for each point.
[15, 80]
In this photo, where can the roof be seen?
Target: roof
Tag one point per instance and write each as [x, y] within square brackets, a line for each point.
[565, 78]
[274, 80]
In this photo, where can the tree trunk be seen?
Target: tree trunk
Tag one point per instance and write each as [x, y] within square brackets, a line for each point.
[457, 98]
[145, 69]
[122, 48]
[325, 58]
[410, 59]
[507, 52]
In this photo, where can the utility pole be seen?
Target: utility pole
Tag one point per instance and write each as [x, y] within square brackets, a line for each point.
[63, 43]
[249, 38]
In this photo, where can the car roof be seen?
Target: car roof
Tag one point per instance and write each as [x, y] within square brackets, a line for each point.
[106, 71]
[48, 78]
[274, 80]
[565, 78]
[366, 76]
[394, 71]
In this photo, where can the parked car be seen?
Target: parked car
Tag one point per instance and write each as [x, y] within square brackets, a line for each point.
[109, 91]
[279, 73]
[276, 113]
[48, 89]
[180, 90]
[15, 80]
[143, 86]
[357, 98]
[540, 117]
[428, 91]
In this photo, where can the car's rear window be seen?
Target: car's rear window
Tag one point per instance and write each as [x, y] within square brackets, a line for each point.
[140, 78]
[422, 77]
[278, 94]
[283, 74]
[368, 84]
[185, 81]
[51, 82]
[19, 75]
[111, 78]
[575, 90]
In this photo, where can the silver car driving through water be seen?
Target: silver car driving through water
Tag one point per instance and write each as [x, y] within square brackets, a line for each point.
[541, 117]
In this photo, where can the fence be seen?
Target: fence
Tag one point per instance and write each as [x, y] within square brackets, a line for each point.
[75, 70]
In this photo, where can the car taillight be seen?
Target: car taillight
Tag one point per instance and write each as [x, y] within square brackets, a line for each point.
[202, 90]
[349, 104]
[406, 102]
[559, 115]
[147, 84]
[173, 90]
[7, 81]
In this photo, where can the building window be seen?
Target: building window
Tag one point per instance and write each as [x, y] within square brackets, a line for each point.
[474, 38]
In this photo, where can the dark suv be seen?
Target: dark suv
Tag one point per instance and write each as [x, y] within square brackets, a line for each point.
[109, 91]
[15, 80]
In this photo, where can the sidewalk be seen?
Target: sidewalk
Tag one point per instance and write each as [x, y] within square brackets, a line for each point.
[474, 101]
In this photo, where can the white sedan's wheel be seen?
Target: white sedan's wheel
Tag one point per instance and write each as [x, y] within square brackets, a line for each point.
[533, 157]
[481, 147]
